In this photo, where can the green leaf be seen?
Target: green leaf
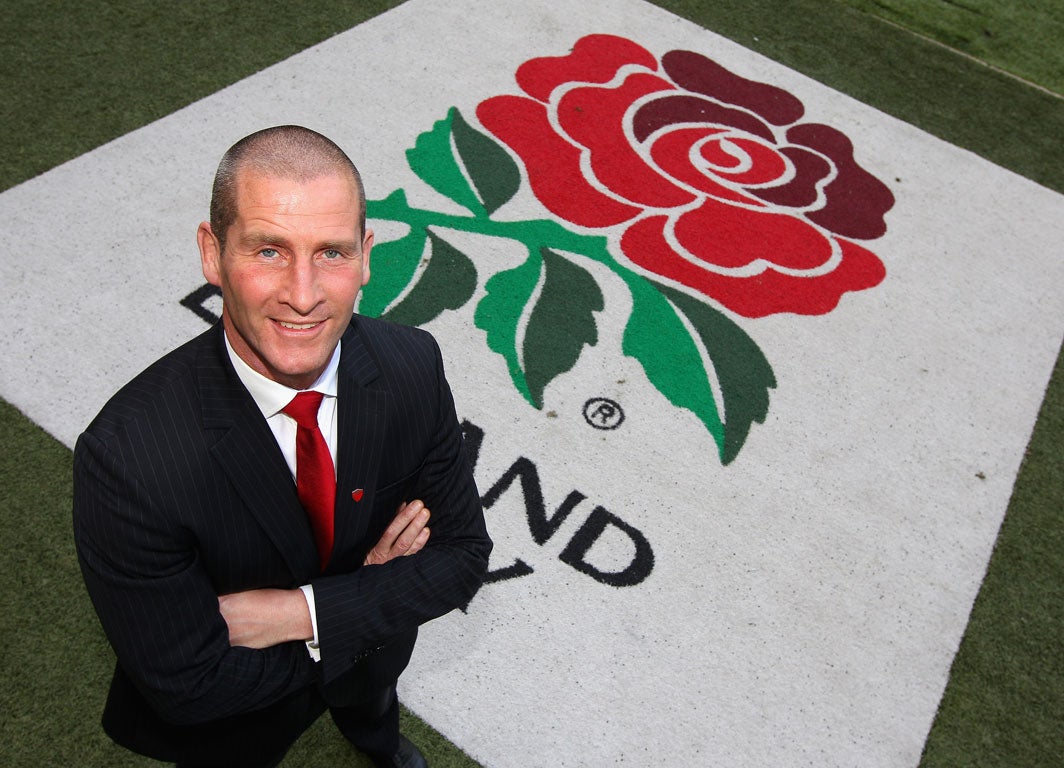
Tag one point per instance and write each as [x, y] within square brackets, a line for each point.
[499, 314]
[658, 339]
[561, 323]
[494, 173]
[433, 161]
[742, 370]
[392, 266]
[448, 282]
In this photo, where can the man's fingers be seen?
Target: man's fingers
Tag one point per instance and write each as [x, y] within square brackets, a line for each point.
[405, 535]
[403, 516]
[412, 531]
[419, 542]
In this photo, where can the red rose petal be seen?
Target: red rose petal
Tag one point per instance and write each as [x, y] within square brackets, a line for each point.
[767, 293]
[731, 236]
[594, 117]
[594, 59]
[553, 164]
[717, 155]
[765, 163]
[672, 153]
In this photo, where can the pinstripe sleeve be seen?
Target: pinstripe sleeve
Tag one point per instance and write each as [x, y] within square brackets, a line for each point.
[157, 605]
[374, 604]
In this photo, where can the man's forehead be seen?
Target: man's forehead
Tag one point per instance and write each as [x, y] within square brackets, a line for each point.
[254, 189]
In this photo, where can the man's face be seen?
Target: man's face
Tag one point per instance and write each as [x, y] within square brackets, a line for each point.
[293, 265]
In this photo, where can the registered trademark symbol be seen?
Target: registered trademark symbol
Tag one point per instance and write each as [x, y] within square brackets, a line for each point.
[603, 413]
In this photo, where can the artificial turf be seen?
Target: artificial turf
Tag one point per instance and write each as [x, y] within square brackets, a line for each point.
[986, 76]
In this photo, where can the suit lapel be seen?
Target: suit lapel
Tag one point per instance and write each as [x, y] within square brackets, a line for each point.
[246, 450]
[361, 426]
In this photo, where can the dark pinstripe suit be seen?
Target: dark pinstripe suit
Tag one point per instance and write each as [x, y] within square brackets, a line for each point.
[181, 494]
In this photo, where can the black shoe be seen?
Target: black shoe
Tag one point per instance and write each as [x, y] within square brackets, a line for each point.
[406, 756]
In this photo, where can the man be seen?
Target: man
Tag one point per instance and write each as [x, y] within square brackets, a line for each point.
[255, 557]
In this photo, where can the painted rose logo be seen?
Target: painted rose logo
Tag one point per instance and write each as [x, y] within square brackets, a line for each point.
[703, 191]
[687, 148]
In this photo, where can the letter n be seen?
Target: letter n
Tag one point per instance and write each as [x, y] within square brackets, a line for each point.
[539, 524]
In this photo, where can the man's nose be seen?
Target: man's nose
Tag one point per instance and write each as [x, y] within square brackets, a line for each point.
[302, 289]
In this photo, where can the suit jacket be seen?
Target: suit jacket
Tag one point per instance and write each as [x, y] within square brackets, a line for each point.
[182, 494]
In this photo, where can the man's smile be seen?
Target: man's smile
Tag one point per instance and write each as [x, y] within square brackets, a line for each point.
[298, 326]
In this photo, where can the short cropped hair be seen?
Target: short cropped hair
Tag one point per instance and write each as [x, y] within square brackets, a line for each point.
[286, 152]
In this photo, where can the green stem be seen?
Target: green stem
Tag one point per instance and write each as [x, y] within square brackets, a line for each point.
[535, 233]
[652, 312]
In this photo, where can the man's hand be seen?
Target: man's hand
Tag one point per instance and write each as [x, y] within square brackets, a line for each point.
[406, 535]
[260, 618]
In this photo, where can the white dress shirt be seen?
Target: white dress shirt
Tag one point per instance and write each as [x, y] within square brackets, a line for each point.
[271, 397]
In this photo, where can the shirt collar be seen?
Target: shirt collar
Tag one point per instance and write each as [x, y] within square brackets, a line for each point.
[269, 395]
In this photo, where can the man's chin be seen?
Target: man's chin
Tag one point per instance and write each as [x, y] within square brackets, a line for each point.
[298, 377]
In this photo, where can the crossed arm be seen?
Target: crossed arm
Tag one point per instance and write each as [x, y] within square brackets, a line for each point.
[260, 618]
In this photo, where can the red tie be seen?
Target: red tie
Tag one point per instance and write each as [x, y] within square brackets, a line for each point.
[315, 477]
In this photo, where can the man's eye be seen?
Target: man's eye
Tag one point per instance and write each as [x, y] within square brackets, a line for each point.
[332, 253]
[269, 253]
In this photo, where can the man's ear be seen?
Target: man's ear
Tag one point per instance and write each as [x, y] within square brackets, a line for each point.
[367, 246]
[210, 254]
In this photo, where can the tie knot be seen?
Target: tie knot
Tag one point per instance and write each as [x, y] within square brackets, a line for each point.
[304, 409]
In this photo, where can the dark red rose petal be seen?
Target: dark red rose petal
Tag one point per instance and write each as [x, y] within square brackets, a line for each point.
[684, 108]
[594, 117]
[553, 164]
[801, 191]
[694, 72]
[594, 59]
[768, 293]
[856, 200]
